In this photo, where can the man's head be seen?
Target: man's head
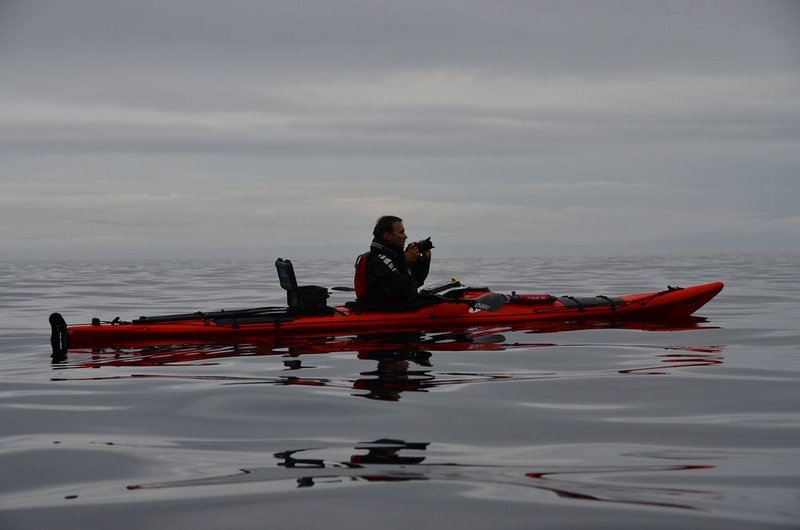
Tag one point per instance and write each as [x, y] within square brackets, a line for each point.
[390, 230]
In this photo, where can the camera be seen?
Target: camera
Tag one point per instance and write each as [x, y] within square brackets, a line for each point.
[424, 245]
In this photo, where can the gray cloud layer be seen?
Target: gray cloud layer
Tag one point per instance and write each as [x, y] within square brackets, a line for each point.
[136, 127]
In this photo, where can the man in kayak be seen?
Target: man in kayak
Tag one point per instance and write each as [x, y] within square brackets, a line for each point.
[389, 276]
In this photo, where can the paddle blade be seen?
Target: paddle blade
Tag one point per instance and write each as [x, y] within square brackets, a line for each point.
[488, 302]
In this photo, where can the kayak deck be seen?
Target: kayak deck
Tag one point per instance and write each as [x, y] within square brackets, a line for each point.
[256, 324]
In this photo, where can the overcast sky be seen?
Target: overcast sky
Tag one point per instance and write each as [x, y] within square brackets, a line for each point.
[262, 128]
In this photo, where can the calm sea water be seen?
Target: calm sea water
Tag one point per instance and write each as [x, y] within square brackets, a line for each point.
[599, 428]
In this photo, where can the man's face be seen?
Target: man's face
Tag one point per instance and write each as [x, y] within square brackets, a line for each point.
[397, 237]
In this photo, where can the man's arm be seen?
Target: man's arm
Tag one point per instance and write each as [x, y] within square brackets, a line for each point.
[421, 268]
[397, 284]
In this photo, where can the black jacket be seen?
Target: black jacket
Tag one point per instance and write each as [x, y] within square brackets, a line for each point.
[390, 280]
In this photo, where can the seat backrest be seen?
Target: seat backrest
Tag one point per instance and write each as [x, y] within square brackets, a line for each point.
[308, 299]
[286, 274]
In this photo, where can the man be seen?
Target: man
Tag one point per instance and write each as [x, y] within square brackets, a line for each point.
[389, 276]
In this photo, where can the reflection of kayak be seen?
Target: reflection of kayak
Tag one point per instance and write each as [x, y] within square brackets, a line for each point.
[408, 346]
[448, 307]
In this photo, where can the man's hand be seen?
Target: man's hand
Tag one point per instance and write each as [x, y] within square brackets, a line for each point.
[412, 253]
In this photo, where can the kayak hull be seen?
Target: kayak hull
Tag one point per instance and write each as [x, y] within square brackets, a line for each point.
[668, 305]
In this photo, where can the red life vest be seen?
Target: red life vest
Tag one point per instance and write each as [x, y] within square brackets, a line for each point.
[360, 280]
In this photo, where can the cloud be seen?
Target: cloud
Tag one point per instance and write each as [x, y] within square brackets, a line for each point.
[426, 115]
[175, 124]
[320, 39]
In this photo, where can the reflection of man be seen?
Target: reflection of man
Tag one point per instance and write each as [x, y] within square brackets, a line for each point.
[388, 275]
[392, 376]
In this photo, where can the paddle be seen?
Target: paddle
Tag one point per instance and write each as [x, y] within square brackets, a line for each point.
[486, 302]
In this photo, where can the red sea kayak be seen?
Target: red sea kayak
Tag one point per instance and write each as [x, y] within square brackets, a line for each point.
[451, 307]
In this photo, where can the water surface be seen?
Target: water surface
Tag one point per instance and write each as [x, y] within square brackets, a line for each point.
[603, 427]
